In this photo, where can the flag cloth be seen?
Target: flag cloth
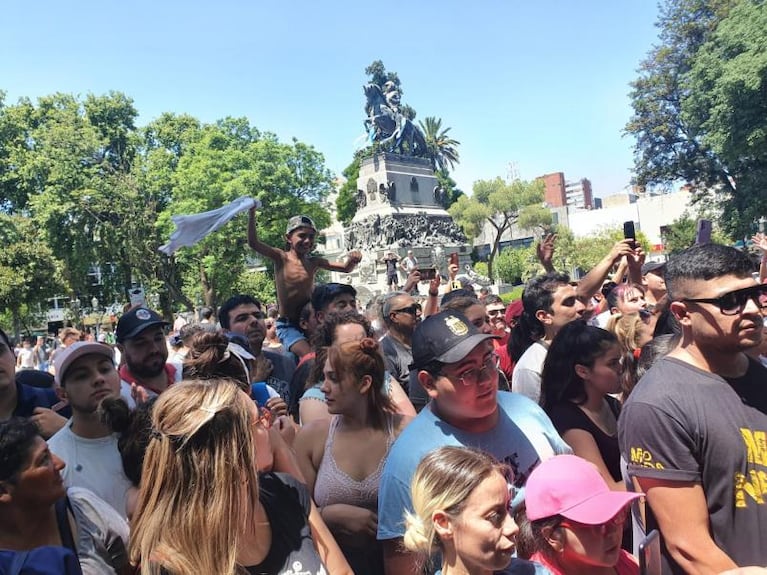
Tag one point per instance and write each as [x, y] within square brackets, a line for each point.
[191, 228]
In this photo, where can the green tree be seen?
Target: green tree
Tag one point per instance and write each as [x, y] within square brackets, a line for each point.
[699, 112]
[259, 284]
[346, 202]
[516, 265]
[442, 149]
[500, 205]
[227, 161]
[29, 274]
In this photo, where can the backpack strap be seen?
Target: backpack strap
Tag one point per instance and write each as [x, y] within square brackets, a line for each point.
[63, 508]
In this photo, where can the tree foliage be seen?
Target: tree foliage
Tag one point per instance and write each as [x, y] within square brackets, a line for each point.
[699, 105]
[442, 150]
[98, 192]
[500, 205]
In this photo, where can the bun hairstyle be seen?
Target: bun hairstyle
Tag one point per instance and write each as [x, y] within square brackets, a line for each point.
[443, 481]
[356, 359]
[135, 431]
[210, 358]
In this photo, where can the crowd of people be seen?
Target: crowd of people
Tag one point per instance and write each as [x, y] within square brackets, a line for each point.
[448, 433]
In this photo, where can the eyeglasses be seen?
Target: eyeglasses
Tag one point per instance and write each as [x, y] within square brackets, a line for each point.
[411, 309]
[733, 303]
[474, 376]
[616, 522]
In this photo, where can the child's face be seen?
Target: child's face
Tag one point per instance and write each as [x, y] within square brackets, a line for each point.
[301, 240]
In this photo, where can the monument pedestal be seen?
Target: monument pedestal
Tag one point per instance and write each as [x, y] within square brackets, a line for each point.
[400, 208]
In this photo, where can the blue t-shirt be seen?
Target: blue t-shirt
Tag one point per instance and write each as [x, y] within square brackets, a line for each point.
[28, 398]
[523, 437]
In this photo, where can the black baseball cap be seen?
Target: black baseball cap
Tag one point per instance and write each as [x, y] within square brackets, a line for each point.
[648, 267]
[446, 337]
[136, 320]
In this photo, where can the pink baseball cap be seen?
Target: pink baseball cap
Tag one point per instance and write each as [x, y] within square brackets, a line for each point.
[570, 486]
[67, 356]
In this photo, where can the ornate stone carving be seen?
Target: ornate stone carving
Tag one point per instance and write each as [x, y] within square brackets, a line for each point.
[376, 232]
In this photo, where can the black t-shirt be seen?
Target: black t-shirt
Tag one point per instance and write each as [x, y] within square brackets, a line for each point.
[287, 504]
[567, 415]
[684, 424]
[391, 266]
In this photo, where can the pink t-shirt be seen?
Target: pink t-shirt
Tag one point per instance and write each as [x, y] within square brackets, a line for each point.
[626, 565]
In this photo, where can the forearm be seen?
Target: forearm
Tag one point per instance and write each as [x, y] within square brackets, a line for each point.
[592, 281]
[698, 556]
[763, 269]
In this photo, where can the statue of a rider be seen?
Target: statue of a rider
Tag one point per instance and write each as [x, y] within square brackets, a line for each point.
[387, 125]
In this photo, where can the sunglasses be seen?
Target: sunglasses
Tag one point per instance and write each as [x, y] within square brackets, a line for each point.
[411, 309]
[500, 311]
[616, 521]
[734, 302]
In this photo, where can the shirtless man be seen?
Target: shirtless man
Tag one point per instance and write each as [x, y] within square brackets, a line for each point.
[294, 271]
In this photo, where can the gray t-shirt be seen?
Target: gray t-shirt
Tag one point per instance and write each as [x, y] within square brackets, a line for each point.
[684, 424]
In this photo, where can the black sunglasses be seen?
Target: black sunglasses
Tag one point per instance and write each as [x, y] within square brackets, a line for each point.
[412, 309]
[733, 303]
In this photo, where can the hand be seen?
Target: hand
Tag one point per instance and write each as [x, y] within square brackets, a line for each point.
[351, 520]
[452, 271]
[139, 393]
[47, 421]
[286, 428]
[745, 571]
[760, 241]
[412, 280]
[277, 406]
[621, 248]
[545, 249]
[434, 285]
[355, 256]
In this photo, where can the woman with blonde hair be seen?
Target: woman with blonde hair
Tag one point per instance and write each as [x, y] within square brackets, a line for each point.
[342, 459]
[204, 508]
[632, 332]
[461, 499]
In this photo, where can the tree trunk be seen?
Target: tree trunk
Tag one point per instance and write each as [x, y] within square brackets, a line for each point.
[208, 293]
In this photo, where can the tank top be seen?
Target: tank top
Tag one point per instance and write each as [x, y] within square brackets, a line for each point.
[334, 486]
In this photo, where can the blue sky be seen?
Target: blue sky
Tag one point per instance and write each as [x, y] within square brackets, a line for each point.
[541, 84]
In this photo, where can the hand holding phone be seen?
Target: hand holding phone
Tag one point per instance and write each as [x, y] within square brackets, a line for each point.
[629, 233]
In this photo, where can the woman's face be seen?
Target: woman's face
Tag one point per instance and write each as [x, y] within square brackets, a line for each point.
[477, 315]
[484, 534]
[604, 375]
[348, 332]
[632, 301]
[39, 483]
[594, 545]
[341, 394]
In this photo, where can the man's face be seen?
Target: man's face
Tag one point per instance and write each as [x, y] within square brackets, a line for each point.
[710, 328]
[146, 353]
[565, 307]
[342, 302]
[248, 320]
[477, 315]
[7, 366]
[655, 283]
[466, 389]
[88, 380]
[496, 316]
[302, 240]
[405, 315]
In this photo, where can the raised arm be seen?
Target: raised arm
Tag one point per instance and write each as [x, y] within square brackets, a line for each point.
[260, 247]
[760, 241]
[592, 281]
[352, 259]
[545, 251]
[687, 535]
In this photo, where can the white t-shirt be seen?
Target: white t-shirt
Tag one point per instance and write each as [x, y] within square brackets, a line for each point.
[526, 378]
[94, 464]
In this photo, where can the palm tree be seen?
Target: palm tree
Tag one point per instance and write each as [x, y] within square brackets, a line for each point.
[442, 150]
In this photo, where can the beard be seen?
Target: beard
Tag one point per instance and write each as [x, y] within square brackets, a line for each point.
[145, 370]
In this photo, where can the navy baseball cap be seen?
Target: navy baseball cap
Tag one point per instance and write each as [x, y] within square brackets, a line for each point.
[136, 320]
[446, 337]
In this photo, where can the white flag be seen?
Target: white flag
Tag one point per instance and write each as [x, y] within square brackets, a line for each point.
[191, 228]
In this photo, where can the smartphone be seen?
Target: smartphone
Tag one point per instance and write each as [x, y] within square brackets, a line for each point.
[703, 233]
[649, 554]
[629, 233]
[427, 274]
[454, 259]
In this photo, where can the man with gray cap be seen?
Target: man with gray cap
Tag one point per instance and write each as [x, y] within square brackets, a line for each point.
[456, 365]
[86, 375]
[140, 336]
[294, 270]
[654, 282]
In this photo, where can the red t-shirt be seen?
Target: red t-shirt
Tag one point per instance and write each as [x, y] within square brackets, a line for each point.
[626, 564]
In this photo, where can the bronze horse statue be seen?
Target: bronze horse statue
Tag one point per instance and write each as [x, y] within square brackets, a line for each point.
[386, 125]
